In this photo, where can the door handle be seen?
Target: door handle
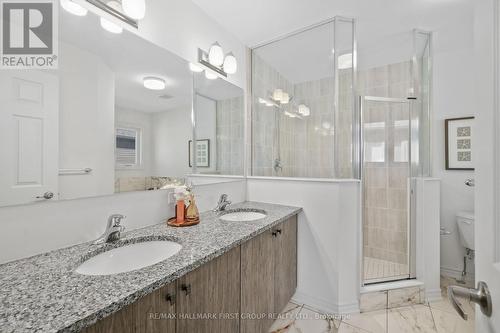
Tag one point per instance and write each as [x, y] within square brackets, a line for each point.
[170, 298]
[186, 288]
[47, 196]
[480, 295]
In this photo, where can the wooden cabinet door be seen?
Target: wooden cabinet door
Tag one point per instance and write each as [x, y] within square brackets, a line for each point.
[257, 283]
[207, 294]
[155, 312]
[122, 321]
[286, 263]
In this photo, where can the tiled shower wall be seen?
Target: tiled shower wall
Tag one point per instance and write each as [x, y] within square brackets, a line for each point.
[304, 146]
[385, 225]
[230, 136]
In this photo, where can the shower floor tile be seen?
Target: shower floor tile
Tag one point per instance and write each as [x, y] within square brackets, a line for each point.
[377, 270]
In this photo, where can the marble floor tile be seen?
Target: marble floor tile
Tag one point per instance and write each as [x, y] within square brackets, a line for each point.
[410, 319]
[373, 301]
[403, 297]
[346, 328]
[286, 318]
[451, 322]
[374, 321]
[445, 305]
[310, 321]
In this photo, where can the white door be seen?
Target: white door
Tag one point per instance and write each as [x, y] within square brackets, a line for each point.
[486, 157]
[29, 109]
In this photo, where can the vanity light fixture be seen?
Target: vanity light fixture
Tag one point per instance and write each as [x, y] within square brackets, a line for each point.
[304, 110]
[215, 60]
[73, 8]
[108, 25]
[136, 9]
[115, 9]
[195, 68]
[153, 83]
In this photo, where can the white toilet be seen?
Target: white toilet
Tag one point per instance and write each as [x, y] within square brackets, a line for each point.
[465, 223]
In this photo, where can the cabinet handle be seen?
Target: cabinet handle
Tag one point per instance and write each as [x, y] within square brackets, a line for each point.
[170, 298]
[186, 288]
[278, 231]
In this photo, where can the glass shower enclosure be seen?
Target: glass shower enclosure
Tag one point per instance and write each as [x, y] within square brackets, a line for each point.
[303, 103]
[395, 150]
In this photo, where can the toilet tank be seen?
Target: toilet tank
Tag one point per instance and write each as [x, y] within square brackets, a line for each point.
[465, 223]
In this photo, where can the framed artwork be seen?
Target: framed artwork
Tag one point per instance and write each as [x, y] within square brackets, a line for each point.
[202, 153]
[459, 143]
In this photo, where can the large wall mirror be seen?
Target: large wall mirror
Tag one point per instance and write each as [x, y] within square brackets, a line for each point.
[95, 126]
[219, 117]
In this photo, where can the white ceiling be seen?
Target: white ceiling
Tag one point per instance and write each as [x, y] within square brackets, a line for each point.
[383, 29]
[257, 21]
[131, 59]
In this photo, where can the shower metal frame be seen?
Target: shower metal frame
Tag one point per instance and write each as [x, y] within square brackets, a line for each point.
[411, 217]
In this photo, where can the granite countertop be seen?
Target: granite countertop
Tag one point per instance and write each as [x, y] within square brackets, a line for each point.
[43, 293]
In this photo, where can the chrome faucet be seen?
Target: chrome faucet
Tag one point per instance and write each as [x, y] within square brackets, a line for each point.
[222, 204]
[113, 229]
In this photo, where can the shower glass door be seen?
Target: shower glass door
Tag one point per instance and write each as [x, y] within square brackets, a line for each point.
[386, 151]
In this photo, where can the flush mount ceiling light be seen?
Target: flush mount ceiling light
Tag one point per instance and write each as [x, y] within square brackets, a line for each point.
[153, 83]
[195, 68]
[136, 9]
[108, 25]
[216, 61]
[73, 8]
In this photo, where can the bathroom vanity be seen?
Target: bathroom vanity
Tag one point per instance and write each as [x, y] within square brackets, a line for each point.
[226, 277]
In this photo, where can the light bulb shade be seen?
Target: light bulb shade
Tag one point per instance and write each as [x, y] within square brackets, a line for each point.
[73, 8]
[110, 26]
[154, 83]
[304, 110]
[285, 98]
[136, 9]
[216, 55]
[307, 112]
[345, 61]
[211, 76]
[230, 64]
[278, 95]
[195, 68]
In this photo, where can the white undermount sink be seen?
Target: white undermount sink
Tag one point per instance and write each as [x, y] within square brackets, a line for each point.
[242, 216]
[129, 257]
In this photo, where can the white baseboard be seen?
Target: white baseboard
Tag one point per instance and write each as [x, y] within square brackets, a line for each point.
[433, 295]
[325, 306]
[456, 274]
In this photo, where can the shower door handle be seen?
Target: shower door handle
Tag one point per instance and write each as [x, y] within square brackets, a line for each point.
[480, 295]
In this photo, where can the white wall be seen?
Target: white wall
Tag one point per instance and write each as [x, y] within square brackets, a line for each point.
[328, 238]
[136, 119]
[453, 84]
[171, 132]
[86, 122]
[182, 27]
